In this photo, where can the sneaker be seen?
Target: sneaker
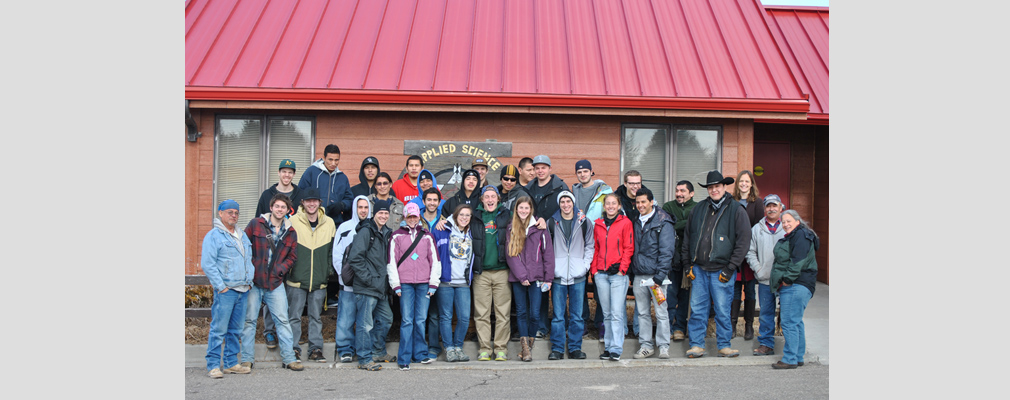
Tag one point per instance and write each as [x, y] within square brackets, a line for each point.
[215, 373]
[728, 352]
[450, 354]
[615, 357]
[644, 352]
[555, 355]
[271, 339]
[679, 336]
[605, 355]
[346, 358]
[484, 356]
[576, 355]
[695, 352]
[384, 358]
[317, 356]
[403, 367]
[664, 352]
[541, 335]
[501, 356]
[763, 350]
[427, 360]
[294, 366]
[370, 366]
[782, 365]
[461, 356]
[247, 364]
[237, 369]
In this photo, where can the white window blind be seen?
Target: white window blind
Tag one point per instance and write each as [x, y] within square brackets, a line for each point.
[697, 152]
[645, 152]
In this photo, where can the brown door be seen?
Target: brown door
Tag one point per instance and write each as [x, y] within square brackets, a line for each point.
[771, 169]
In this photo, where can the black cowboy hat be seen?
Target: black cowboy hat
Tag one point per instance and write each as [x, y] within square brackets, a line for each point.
[715, 177]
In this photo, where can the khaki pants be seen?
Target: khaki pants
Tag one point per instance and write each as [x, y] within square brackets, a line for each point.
[492, 287]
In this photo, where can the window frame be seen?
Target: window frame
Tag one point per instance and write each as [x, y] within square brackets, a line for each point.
[264, 153]
[670, 150]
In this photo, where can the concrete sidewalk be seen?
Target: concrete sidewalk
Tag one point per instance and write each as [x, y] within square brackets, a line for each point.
[815, 320]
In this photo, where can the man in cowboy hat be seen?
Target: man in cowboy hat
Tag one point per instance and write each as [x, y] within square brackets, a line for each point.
[716, 240]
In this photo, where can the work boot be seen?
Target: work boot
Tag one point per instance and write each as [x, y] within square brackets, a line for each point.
[734, 315]
[748, 319]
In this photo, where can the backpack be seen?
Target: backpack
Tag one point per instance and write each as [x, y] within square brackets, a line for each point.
[346, 272]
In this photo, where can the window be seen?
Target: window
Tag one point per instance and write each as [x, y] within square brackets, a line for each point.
[665, 154]
[248, 150]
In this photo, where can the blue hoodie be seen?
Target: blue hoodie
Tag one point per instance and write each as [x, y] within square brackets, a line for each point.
[334, 190]
[420, 201]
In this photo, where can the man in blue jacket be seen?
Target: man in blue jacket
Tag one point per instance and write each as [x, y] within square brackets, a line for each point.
[226, 259]
[334, 188]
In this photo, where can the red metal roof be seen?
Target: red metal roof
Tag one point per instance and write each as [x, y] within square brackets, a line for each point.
[802, 35]
[680, 54]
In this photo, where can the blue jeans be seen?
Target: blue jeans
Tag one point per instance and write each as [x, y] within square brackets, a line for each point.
[527, 308]
[383, 320]
[365, 306]
[414, 303]
[612, 290]
[347, 312]
[542, 326]
[434, 345]
[449, 298]
[227, 314]
[704, 289]
[766, 320]
[794, 299]
[277, 301]
[678, 301]
[298, 299]
[571, 296]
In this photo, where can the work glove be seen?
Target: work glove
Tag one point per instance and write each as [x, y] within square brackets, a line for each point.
[690, 272]
[725, 276]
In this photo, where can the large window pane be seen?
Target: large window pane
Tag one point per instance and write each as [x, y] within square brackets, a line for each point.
[644, 150]
[238, 164]
[697, 152]
[289, 139]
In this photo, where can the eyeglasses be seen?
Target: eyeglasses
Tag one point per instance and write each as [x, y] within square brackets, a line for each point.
[634, 183]
[507, 179]
[381, 183]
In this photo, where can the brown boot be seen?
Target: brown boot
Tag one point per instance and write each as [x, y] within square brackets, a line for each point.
[524, 353]
[529, 353]
[748, 319]
[734, 315]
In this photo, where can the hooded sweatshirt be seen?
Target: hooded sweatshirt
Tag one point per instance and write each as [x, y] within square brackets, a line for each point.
[545, 198]
[345, 235]
[420, 201]
[334, 190]
[573, 249]
[762, 242]
[589, 199]
[424, 268]
[363, 188]
[263, 206]
[455, 250]
[406, 188]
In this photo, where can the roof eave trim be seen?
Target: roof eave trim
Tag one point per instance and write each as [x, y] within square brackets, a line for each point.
[812, 119]
[502, 99]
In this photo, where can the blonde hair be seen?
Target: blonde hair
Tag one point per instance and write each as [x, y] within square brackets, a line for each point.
[517, 238]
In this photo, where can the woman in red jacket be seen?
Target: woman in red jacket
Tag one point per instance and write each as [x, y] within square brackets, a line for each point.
[611, 258]
[530, 257]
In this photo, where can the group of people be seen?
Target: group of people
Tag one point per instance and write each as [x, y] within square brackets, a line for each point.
[498, 248]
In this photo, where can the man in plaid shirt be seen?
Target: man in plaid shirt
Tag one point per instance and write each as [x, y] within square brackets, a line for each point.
[273, 254]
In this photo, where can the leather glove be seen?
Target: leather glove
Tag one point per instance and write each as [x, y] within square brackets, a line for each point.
[724, 277]
[690, 272]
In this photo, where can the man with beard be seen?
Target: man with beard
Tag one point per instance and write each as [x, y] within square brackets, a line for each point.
[716, 239]
[679, 296]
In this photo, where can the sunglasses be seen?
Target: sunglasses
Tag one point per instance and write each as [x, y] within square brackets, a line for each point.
[505, 178]
[381, 183]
